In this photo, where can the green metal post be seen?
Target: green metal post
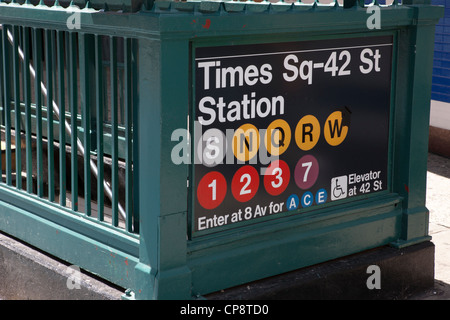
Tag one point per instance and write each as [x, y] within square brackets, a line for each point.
[49, 60]
[17, 111]
[37, 61]
[73, 107]
[162, 272]
[6, 91]
[60, 50]
[416, 46]
[99, 124]
[85, 58]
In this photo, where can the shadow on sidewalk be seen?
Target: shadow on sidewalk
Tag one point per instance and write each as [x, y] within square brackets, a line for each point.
[439, 165]
[440, 291]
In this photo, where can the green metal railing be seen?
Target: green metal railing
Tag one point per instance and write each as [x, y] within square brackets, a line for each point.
[67, 103]
[65, 76]
[87, 116]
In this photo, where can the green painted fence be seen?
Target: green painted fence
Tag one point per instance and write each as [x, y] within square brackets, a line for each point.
[90, 99]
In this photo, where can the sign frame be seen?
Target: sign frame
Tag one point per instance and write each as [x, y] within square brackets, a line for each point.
[302, 214]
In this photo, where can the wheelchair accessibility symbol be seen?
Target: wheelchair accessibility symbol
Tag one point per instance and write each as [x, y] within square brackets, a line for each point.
[338, 188]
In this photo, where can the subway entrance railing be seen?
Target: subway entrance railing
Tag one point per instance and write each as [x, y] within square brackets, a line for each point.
[103, 107]
[67, 121]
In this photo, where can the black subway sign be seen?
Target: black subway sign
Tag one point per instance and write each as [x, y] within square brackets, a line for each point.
[284, 128]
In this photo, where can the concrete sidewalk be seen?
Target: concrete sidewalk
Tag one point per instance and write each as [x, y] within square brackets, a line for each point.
[438, 203]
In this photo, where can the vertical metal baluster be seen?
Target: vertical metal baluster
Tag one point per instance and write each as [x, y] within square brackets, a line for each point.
[6, 104]
[135, 182]
[73, 95]
[2, 74]
[17, 111]
[84, 64]
[99, 124]
[7, 111]
[27, 100]
[114, 131]
[128, 133]
[60, 50]
[49, 52]
[37, 56]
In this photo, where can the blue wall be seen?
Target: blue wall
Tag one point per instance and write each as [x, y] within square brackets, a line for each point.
[441, 64]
